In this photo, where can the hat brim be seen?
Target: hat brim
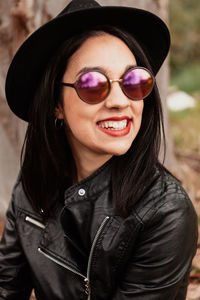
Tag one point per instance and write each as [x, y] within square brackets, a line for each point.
[32, 57]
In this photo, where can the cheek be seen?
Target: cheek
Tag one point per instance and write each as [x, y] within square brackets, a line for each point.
[76, 113]
[72, 118]
[70, 105]
[137, 108]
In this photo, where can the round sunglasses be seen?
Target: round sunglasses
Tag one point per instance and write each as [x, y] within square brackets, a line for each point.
[94, 86]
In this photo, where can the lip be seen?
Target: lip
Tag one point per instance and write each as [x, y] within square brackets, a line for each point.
[115, 119]
[116, 133]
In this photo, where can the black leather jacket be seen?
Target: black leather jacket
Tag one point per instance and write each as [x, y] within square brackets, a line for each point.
[89, 252]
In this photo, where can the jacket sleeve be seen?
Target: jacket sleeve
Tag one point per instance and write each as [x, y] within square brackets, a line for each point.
[162, 256]
[14, 270]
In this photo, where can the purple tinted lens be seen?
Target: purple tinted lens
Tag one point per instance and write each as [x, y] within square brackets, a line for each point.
[92, 87]
[137, 83]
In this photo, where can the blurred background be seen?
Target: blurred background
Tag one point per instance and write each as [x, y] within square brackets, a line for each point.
[178, 79]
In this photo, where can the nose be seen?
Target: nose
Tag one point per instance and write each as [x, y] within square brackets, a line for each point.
[116, 98]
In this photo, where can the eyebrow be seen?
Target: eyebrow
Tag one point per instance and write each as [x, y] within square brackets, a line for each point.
[98, 68]
[88, 69]
[129, 67]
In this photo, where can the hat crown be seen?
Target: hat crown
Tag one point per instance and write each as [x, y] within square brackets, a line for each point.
[76, 5]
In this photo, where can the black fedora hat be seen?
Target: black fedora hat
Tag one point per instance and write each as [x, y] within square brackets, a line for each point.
[32, 57]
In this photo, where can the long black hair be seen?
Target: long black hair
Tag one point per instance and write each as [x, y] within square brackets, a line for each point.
[48, 167]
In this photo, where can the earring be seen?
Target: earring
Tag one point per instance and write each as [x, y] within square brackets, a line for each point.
[59, 123]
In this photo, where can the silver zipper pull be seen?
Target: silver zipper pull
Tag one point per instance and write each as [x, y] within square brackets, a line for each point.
[87, 286]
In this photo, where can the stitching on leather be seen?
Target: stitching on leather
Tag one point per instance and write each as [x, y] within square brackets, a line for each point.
[161, 203]
[139, 219]
[123, 250]
[95, 254]
[110, 221]
[154, 208]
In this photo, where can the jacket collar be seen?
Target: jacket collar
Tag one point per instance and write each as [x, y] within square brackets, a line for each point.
[69, 236]
[90, 186]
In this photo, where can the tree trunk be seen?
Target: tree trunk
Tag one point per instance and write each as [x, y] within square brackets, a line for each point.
[17, 20]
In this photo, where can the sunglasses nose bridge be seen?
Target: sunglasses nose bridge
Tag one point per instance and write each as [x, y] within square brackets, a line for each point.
[116, 98]
[115, 80]
[120, 81]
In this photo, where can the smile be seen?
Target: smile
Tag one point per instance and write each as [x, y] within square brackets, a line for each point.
[115, 126]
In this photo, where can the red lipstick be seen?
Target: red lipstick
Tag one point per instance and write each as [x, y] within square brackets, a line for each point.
[115, 119]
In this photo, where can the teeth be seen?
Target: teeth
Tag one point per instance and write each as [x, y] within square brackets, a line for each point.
[113, 125]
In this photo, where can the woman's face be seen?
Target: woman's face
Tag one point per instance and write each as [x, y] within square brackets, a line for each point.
[85, 123]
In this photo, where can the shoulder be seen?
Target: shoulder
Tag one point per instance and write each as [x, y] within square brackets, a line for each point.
[165, 197]
[167, 240]
[19, 200]
[169, 221]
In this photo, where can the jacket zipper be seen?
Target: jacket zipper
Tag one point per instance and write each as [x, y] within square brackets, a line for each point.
[86, 279]
[35, 222]
[60, 263]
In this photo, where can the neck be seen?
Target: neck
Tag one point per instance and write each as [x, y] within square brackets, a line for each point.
[87, 163]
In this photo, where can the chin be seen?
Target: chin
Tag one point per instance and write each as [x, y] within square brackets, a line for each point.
[120, 151]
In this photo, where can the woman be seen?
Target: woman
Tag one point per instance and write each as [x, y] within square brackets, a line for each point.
[94, 215]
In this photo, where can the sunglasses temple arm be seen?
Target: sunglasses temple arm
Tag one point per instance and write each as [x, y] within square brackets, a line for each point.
[67, 84]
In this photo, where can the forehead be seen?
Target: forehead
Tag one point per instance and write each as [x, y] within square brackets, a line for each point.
[106, 51]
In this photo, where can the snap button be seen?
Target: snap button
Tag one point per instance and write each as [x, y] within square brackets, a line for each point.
[81, 192]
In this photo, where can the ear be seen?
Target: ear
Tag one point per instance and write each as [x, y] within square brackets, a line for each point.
[58, 112]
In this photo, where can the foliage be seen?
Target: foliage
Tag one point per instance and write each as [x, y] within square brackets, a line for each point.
[186, 128]
[187, 78]
[184, 27]
[185, 50]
